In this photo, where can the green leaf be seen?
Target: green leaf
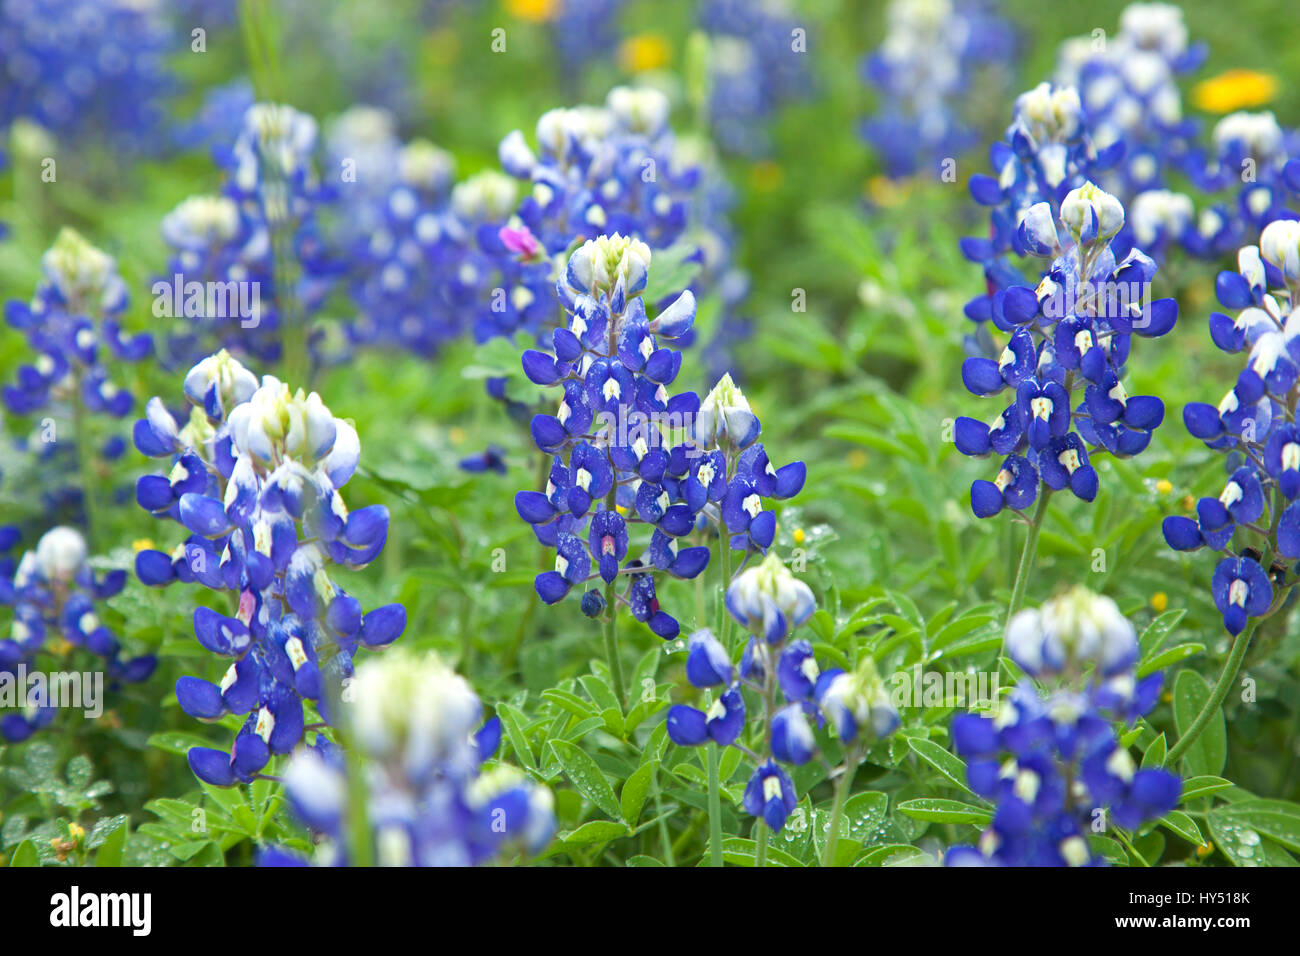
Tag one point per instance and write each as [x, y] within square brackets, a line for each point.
[513, 721]
[1210, 752]
[1195, 788]
[1184, 826]
[634, 792]
[25, 855]
[587, 777]
[1167, 658]
[740, 851]
[952, 767]
[596, 831]
[1154, 756]
[879, 855]
[1158, 631]
[1279, 820]
[945, 811]
[110, 851]
[176, 742]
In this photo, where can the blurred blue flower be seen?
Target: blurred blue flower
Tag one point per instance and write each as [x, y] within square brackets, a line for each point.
[1051, 761]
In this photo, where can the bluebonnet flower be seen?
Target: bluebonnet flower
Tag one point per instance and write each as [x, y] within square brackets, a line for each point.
[1255, 520]
[1069, 342]
[1047, 152]
[1129, 91]
[87, 70]
[1051, 760]
[771, 603]
[1252, 169]
[595, 171]
[74, 317]
[614, 470]
[755, 67]
[582, 29]
[932, 56]
[54, 593]
[498, 274]
[431, 801]
[255, 479]
[410, 254]
[221, 245]
[245, 263]
[219, 118]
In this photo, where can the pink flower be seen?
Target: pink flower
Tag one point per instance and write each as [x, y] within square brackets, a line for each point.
[520, 241]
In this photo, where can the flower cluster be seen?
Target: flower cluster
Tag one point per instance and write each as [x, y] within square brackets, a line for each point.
[415, 725]
[613, 467]
[1071, 334]
[53, 593]
[1046, 153]
[255, 479]
[1254, 167]
[74, 315]
[498, 273]
[756, 64]
[406, 247]
[1129, 91]
[924, 70]
[216, 244]
[771, 603]
[1051, 760]
[246, 262]
[599, 171]
[89, 70]
[1255, 426]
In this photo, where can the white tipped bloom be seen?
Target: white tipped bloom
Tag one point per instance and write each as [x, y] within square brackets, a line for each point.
[1154, 26]
[1049, 115]
[604, 264]
[725, 416]
[276, 424]
[60, 554]
[1259, 133]
[234, 383]
[641, 110]
[424, 166]
[485, 196]
[415, 710]
[1160, 210]
[84, 274]
[770, 601]
[1077, 628]
[201, 222]
[1090, 203]
[1279, 244]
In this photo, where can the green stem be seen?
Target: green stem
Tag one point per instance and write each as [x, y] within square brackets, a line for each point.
[1128, 845]
[1221, 686]
[1027, 555]
[664, 839]
[85, 462]
[837, 808]
[760, 855]
[611, 644]
[724, 618]
[715, 807]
